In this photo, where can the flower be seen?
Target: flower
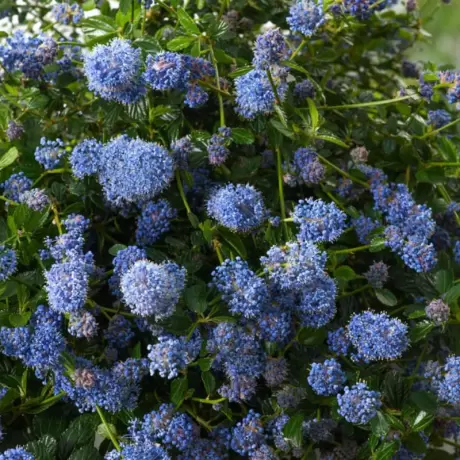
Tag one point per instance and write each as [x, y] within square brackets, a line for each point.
[326, 378]
[82, 324]
[14, 130]
[17, 453]
[151, 289]
[8, 262]
[16, 185]
[237, 207]
[66, 13]
[276, 371]
[248, 434]
[305, 16]
[448, 388]
[439, 118]
[122, 262]
[270, 48]
[154, 220]
[84, 158]
[166, 71]
[338, 341]
[304, 89]
[49, 153]
[358, 404]
[437, 311]
[377, 275]
[36, 199]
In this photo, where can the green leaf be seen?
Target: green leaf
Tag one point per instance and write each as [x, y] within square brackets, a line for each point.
[422, 420]
[209, 381]
[180, 43]
[19, 319]
[187, 22]
[417, 314]
[452, 294]
[222, 57]
[293, 430]
[345, 272]
[386, 451]
[242, 136]
[205, 363]
[329, 137]
[195, 298]
[104, 432]
[386, 297]
[80, 431]
[193, 219]
[377, 245]
[420, 331]
[9, 157]
[113, 251]
[234, 242]
[431, 176]
[395, 389]
[86, 453]
[53, 422]
[312, 337]
[149, 44]
[379, 425]
[314, 115]
[444, 280]
[425, 401]
[43, 448]
[178, 389]
[415, 443]
[96, 24]
[125, 6]
[241, 71]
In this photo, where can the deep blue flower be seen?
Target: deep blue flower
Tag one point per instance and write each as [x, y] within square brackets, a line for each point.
[338, 341]
[49, 153]
[326, 378]
[237, 207]
[377, 275]
[217, 147]
[248, 434]
[84, 158]
[36, 199]
[457, 252]
[289, 397]
[151, 289]
[17, 453]
[8, 262]
[195, 96]
[16, 185]
[82, 324]
[305, 16]
[154, 220]
[308, 167]
[358, 404]
[449, 388]
[14, 130]
[270, 48]
[304, 89]
[364, 227]
[119, 332]
[276, 371]
[66, 13]
[166, 71]
[439, 118]
[181, 150]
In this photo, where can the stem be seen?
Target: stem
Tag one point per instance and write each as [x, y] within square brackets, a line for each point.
[11, 202]
[219, 95]
[56, 218]
[342, 172]
[113, 310]
[442, 163]
[298, 49]
[356, 291]
[351, 250]
[181, 192]
[209, 401]
[451, 443]
[109, 431]
[272, 84]
[281, 190]
[365, 104]
[218, 251]
[436, 131]
[445, 194]
[51, 171]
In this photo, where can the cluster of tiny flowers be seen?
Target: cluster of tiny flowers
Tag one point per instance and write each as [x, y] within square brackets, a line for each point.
[17, 453]
[254, 94]
[248, 434]
[364, 9]
[8, 262]
[319, 430]
[49, 153]
[453, 94]
[358, 404]
[365, 227]
[28, 55]
[36, 199]
[133, 170]
[82, 325]
[181, 150]
[14, 130]
[438, 118]
[319, 221]
[305, 16]
[84, 158]
[119, 332]
[151, 289]
[457, 252]
[241, 288]
[238, 207]
[338, 341]
[154, 220]
[377, 336]
[113, 71]
[217, 148]
[304, 89]
[447, 384]
[270, 48]
[122, 262]
[276, 371]
[172, 354]
[16, 185]
[437, 311]
[66, 13]
[377, 275]
[326, 378]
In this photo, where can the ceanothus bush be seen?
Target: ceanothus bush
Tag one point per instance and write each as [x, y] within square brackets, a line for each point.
[228, 230]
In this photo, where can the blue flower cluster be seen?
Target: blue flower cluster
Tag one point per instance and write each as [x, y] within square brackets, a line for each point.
[119, 332]
[304, 89]
[36, 199]
[84, 158]
[14, 130]
[439, 118]
[237, 207]
[50, 152]
[437, 311]
[66, 13]
[181, 150]
[15, 186]
[8, 262]
[365, 228]
[446, 381]
[17, 453]
[270, 49]
[152, 290]
[377, 275]
[338, 341]
[154, 220]
[217, 148]
[326, 378]
[82, 324]
[306, 16]
[306, 168]
[358, 404]
[377, 336]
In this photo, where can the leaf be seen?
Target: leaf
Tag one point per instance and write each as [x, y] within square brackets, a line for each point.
[86, 453]
[385, 451]
[96, 24]
[386, 297]
[43, 448]
[80, 431]
[345, 272]
[328, 137]
[314, 115]
[293, 430]
[195, 298]
[234, 241]
[209, 381]
[113, 251]
[125, 5]
[379, 425]
[178, 389]
[104, 432]
[420, 331]
[395, 389]
[417, 314]
[241, 71]
[193, 219]
[19, 319]
[180, 43]
[9, 157]
[222, 57]
[53, 423]
[452, 294]
[242, 136]
[205, 363]
[422, 420]
[425, 401]
[187, 22]
[415, 443]
[377, 245]
[149, 44]
[444, 280]
[312, 337]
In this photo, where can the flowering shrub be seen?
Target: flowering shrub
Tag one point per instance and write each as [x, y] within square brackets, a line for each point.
[222, 237]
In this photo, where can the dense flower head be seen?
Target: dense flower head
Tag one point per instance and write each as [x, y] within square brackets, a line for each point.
[238, 207]
[307, 166]
[181, 150]
[254, 94]
[358, 404]
[338, 341]
[326, 378]
[319, 221]
[154, 220]
[438, 311]
[241, 288]
[49, 153]
[166, 71]
[17, 453]
[304, 89]
[138, 451]
[82, 324]
[453, 94]
[16, 185]
[248, 435]
[305, 16]
[289, 397]
[377, 275]
[66, 13]
[172, 354]
[439, 118]
[36, 199]
[195, 96]
[276, 371]
[217, 147]
[122, 262]
[119, 332]
[319, 430]
[133, 170]
[84, 158]
[8, 262]
[457, 252]
[364, 227]
[378, 336]
[274, 324]
[270, 48]
[14, 130]
[364, 9]
[113, 71]
[448, 387]
[151, 289]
